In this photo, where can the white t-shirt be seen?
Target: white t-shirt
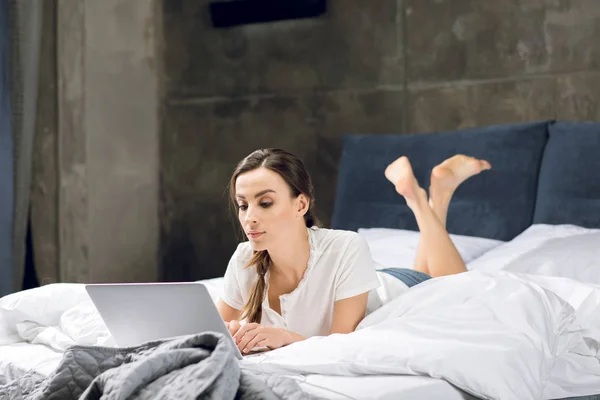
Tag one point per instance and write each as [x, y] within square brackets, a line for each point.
[339, 266]
[389, 288]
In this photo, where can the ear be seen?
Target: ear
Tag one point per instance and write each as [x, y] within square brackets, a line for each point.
[302, 204]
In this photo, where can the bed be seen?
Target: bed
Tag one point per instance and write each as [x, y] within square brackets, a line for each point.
[538, 207]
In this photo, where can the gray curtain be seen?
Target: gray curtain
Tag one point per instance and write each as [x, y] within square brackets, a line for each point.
[26, 25]
[6, 157]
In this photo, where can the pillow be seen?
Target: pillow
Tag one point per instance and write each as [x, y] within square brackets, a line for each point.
[532, 246]
[569, 188]
[43, 305]
[576, 257]
[497, 204]
[397, 248]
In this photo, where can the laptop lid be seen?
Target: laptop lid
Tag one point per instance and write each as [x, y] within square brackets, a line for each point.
[135, 313]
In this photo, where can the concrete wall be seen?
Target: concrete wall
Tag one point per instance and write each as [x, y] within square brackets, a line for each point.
[385, 66]
[296, 85]
[44, 188]
[95, 190]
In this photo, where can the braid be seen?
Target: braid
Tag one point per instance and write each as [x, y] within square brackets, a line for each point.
[253, 308]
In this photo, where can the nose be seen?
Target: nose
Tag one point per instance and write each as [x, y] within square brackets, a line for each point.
[251, 216]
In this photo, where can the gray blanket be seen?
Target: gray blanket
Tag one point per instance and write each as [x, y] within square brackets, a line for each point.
[199, 366]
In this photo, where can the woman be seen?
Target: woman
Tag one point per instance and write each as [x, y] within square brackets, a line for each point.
[292, 280]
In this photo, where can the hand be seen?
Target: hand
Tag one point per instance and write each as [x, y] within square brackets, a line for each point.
[254, 335]
[233, 326]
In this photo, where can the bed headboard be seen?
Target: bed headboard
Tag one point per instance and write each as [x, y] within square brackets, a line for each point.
[569, 181]
[542, 172]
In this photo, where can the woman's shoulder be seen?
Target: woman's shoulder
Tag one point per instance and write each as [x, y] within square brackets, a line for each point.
[330, 239]
[346, 256]
[242, 254]
[238, 264]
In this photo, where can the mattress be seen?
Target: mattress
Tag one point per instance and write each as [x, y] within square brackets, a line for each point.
[66, 310]
[381, 387]
[20, 358]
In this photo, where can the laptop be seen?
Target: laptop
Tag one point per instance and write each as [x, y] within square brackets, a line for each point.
[135, 313]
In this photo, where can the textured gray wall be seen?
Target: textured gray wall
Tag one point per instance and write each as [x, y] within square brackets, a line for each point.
[94, 195]
[44, 188]
[482, 62]
[107, 142]
[384, 66]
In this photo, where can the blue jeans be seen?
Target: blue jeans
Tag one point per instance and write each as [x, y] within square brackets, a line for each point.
[409, 276]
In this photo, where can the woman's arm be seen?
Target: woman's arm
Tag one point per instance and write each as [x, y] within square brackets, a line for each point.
[254, 335]
[355, 278]
[230, 315]
[227, 312]
[347, 313]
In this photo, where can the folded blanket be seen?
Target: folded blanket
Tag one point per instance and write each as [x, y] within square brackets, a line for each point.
[200, 366]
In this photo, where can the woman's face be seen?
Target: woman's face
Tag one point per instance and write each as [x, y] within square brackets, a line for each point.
[266, 208]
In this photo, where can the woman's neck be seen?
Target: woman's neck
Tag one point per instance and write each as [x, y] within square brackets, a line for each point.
[291, 258]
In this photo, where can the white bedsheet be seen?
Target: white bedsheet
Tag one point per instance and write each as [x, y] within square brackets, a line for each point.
[381, 387]
[19, 358]
[494, 335]
[70, 312]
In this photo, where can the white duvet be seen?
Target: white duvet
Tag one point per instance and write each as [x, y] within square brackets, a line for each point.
[495, 335]
[499, 336]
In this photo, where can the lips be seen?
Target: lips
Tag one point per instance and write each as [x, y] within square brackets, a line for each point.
[254, 235]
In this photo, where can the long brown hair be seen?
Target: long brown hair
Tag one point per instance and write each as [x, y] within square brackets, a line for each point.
[293, 171]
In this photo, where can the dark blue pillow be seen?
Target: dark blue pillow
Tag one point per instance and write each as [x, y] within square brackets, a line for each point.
[569, 183]
[497, 204]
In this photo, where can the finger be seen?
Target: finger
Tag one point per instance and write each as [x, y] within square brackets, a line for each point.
[247, 338]
[237, 336]
[233, 327]
[242, 331]
[253, 343]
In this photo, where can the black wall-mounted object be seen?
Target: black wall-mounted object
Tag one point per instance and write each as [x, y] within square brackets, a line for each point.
[226, 14]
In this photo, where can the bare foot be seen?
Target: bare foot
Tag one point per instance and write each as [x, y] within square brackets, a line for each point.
[400, 173]
[448, 175]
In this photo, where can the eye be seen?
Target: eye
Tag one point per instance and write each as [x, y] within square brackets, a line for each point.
[242, 207]
[266, 204]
